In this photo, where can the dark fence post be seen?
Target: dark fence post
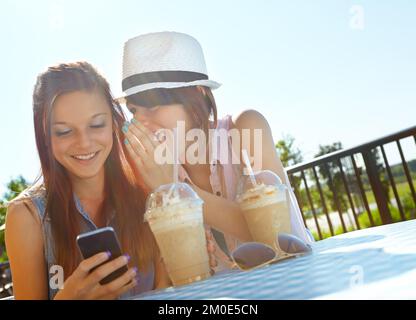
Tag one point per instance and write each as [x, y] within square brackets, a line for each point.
[374, 179]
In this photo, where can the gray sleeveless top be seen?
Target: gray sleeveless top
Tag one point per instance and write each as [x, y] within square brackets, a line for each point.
[38, 196]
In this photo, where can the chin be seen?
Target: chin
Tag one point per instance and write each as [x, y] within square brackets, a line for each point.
[85, 176]
[87, 172]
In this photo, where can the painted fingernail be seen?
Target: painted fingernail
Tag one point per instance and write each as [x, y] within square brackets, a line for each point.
[127, 257]
[124, 129]
[134, 121]
[126, 142]
[135, 270]
[108, 254]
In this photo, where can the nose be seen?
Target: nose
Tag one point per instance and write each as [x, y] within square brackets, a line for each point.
[83, 141]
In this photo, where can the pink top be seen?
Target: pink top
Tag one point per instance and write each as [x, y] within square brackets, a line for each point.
[224, 179]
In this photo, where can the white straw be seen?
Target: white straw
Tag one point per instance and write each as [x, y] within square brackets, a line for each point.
[175, 156]
[175, 164]
[246, 160]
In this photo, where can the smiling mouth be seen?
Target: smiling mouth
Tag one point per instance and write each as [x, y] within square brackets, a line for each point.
[86, 157]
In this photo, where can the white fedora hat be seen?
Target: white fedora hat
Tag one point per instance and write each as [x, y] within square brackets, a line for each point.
[163, 60]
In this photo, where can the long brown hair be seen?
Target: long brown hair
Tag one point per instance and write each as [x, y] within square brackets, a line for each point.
[123, 193]
[198, 102]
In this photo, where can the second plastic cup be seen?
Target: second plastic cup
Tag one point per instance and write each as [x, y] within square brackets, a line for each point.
[264, 206]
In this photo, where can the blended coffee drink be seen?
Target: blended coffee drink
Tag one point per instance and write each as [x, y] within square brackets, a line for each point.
[174, 213]
[265, 207]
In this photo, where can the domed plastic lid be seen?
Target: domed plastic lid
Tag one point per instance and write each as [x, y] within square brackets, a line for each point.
[262, 178]
[170, 194]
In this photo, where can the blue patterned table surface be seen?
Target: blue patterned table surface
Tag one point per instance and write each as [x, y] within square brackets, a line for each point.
[374, 263]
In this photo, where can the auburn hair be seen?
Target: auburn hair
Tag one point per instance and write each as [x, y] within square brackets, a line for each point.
[124, 193]
[198, 102]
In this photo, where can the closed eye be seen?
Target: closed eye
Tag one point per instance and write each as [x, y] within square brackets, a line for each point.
[62, 133]
[98, 126]
[143, 110]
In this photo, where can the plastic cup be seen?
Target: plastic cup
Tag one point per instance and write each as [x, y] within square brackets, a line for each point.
[264, 206]
[175, 216]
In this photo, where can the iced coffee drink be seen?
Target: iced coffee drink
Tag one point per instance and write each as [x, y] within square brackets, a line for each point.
[174, 213]
[265, 207]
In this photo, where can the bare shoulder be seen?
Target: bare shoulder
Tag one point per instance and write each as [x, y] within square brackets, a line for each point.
[23, 228]
[249, 119]
[22, 211]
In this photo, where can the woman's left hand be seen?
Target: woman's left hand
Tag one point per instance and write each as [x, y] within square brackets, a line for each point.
[141, 144]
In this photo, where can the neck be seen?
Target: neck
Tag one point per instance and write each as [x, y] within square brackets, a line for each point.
[90, 188]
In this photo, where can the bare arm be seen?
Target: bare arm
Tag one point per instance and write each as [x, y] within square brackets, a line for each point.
[232, 223]
[252, 120]
[24, 243]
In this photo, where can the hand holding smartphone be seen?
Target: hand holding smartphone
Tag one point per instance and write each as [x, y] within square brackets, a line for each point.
[101, 240]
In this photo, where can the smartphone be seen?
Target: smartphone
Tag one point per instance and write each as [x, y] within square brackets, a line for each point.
[101, 240]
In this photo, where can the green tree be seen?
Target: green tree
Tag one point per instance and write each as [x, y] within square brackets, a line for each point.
[331, 170]
[15, 187]
[408, 206]
[289, 154]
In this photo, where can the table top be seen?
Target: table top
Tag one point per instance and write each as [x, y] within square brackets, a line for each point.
[373, 263]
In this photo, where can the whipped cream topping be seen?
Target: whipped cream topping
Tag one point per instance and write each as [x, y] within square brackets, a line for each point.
[175, 208]
[261, 195]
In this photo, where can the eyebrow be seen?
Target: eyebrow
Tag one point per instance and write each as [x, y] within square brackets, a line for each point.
[94, 116]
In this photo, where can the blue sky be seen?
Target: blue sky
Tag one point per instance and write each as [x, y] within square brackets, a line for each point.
[300, 63]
